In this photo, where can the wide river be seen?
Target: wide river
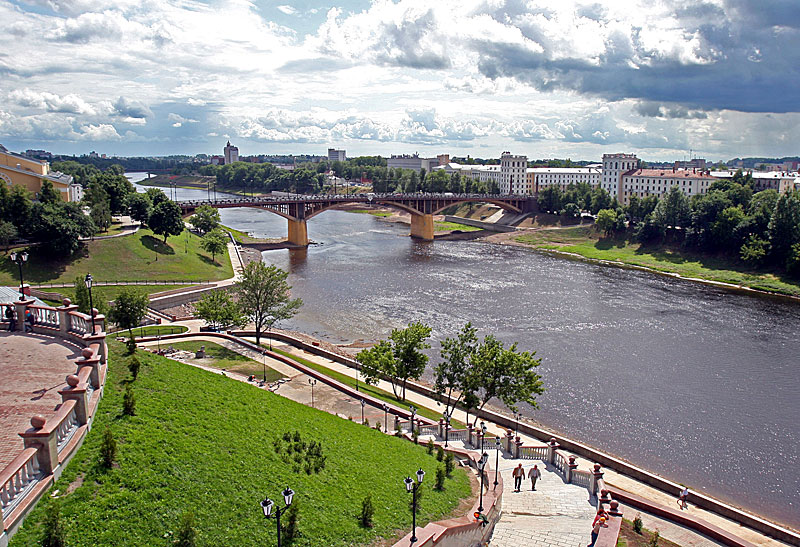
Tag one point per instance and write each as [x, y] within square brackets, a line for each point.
[693, 382]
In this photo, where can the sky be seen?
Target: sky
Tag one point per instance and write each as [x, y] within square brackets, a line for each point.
[664, 79]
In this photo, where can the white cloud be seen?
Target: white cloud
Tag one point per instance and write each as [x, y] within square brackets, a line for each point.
[288, 10]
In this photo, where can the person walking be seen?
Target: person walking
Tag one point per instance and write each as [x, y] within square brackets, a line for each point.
[599, 523]
[11, 316]
[533, 475]
[518, 474]
[682, 499]
[30, 320]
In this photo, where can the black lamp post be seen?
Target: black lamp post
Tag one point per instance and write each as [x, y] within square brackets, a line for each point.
[265, 369]
[357, 374]
[483, 434]
[312, 382]
[385, 417]
[363, 404]
[481, 467]
[20, 258]
[496, 458]
[413, 410]
[89, 281]
[446, 417]
[411, 486]
[267, 506]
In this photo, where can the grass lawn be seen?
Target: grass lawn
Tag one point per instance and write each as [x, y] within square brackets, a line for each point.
[441, 226]
[221, 357]
[628, 537]
[373, 213]
[108, 293]
[154, 330]
[140, 256]
[205, 444]
[365, 388]
[584, 241]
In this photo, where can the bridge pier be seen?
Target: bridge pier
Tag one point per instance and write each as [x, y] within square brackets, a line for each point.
[298, 232]
[422, 227]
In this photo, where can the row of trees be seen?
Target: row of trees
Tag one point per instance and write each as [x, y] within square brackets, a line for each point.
[760, 228]
[471, 372]
[574, 199]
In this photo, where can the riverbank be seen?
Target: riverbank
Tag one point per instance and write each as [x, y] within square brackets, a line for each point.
[584, 243]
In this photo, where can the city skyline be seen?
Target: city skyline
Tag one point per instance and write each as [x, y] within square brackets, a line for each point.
[579, 80]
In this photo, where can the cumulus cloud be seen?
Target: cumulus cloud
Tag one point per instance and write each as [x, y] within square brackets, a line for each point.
[50, 101]
[288, 10]
[131, 109]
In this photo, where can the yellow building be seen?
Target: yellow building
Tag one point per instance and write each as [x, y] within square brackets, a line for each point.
[17, 170]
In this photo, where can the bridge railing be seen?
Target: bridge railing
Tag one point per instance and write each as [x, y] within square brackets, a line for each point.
[350, 198]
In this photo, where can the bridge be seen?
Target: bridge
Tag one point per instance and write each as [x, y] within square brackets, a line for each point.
[299, 209]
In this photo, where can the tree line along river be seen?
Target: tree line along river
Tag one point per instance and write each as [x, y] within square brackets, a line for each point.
[693, 382]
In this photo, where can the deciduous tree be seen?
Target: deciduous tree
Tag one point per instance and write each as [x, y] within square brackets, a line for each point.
[264, 296]
[219, 310]
[129, 309]
[205, 219]
[166, 219]
[214, 242]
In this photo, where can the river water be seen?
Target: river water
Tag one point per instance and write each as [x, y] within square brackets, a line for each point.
[696, 383]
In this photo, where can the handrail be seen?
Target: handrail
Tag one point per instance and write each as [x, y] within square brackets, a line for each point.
[17, 479]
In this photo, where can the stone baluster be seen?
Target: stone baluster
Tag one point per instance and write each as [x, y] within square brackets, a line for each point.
[44, 442]
[63, 316]
[571, 466]
[77, 392]
[594, 477]
[509, 443]
[552, 446]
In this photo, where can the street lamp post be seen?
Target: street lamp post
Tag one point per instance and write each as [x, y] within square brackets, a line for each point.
[20, 258]
[357, 374]
[267, 506]
[89, 281]
[411, 486]
[446, 417]
[496, 458]
[483, 434]
[413, 410]
[264, 353]
[363, 404]
[481, 467]
[385, 417]
[312, 382]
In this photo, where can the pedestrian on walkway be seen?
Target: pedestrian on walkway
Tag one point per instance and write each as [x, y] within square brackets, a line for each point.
[533, 475]
[30, 320]
[601, 523]
[682, 503]
[518, 474]
[11, 316]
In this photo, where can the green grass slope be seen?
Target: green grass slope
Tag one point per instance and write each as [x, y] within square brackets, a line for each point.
[204, 443]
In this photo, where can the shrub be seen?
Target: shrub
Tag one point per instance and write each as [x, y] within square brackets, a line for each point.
[367, 511]
[134, 365]
[186, 532]
[439, 479]
[430, 446]
[129, 402]
[654, 539]
[415, 436]
[108, 449]
[439, 453]
[366, 422]
[638, 524]
[449, 464]
[53, 530]
[289, 530]
[131, 345]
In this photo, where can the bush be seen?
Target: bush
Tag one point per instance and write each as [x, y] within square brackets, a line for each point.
[53, 535]
[366, 422]
[439, 479]
[131, 345]
[449, 464]
[754, 250]
[415, 436]
[439, 453]
[793, 260]
[186, 532]
[638, 524]
[129, 402]
[654, 539]
[108, 449]
[430, 446]
[134, 365]
[367, 511]
[289, 530]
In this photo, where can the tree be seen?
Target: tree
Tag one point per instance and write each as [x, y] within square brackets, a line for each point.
[101, 215]
[117, 187]
[784, 226]
[754, 251]
[108, 449]
[726, 228]
[58, 227]
[48, 194]
[8, 233]
[185, 536]
[601, 199]
[219, 310]
[156, 196]
[205, 219]
[506, 374]
[550, 199]
[452, 374]
[81, 295]
[52, 527]
[672, 210]
[214, 242]
[139, 207]
[129, 309]
[264, 296]
[606, 221]
[399, 359]
[166, 219]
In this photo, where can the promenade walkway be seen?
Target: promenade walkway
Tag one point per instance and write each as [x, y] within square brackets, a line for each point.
[33, 367]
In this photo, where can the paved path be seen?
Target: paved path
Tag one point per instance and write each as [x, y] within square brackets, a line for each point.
[33, 367]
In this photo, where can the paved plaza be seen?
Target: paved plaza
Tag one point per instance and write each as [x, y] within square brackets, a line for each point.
[33, 367]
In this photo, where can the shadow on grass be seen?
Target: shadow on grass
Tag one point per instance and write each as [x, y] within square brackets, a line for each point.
[208, 260]
[40, 268]
[156, 245]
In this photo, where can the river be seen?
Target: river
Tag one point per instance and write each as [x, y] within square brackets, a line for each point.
[693, 382]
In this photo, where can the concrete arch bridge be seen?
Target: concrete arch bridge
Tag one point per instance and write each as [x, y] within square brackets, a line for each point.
[297, 210]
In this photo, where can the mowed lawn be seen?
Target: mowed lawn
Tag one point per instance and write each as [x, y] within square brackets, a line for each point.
[138, 257]
[205, 444]
[585, 241]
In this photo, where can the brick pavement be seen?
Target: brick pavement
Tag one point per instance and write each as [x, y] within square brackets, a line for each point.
[33, 367]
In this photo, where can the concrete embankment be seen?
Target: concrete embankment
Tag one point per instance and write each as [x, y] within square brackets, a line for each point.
[480, 224]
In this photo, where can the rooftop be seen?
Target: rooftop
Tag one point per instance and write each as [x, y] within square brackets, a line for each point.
[669, 174]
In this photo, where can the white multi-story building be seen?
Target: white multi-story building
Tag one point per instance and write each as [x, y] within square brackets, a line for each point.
[781, 181]
[614, 165]
[513, 170]
[231, 153]
[542, 177]
[414, 162]
[336, 155]
[657, 182]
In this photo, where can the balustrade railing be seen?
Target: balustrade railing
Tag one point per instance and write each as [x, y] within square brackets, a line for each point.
[67, 428]
[18, 479]
[45, 316]
[533, 452]
[79, 323]
[428, 429]
[457, 435]
[581, 478]
[560, 463]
